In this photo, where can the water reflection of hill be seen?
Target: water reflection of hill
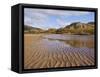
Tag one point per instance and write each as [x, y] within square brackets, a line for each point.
[74, 41]
[46, 51]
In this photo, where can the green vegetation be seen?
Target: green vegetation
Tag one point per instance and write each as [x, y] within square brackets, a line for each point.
[51, 30]
[74, 28]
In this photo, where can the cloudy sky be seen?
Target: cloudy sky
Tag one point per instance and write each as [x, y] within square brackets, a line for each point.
[49, 18]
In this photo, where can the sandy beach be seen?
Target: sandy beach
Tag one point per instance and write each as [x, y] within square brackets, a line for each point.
[40, 52]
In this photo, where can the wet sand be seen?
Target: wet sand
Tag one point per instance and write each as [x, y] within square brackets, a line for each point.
[40, 52]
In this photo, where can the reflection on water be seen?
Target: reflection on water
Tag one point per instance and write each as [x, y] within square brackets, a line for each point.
[73, 40]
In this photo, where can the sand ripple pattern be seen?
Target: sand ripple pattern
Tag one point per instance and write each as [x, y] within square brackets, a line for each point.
[42, 53]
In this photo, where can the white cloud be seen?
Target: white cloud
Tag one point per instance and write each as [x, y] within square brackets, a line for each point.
[57, 12]
[62, 22]
[34, 18]
[34, 15]
[40, 17]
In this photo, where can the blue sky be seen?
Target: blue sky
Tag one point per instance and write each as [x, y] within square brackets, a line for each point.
[49, 18]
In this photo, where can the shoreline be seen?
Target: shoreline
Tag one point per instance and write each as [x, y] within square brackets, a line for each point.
[42, 53]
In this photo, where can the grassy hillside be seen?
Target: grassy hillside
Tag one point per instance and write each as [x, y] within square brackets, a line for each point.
[30, 29]
[77, 28]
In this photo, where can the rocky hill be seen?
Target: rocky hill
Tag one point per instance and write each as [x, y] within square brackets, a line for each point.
[74, 28]
[78, 28]
[30, 29]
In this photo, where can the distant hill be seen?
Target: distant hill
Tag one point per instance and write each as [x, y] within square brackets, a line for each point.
[92, 23]
[30, 29]
[80, 25]
[78, 28]
[74, 28]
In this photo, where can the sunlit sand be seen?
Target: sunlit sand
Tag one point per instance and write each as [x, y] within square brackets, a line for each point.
[42, 52]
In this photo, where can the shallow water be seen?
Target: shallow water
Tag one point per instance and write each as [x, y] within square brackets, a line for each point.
[58, 50]
[79, 41]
